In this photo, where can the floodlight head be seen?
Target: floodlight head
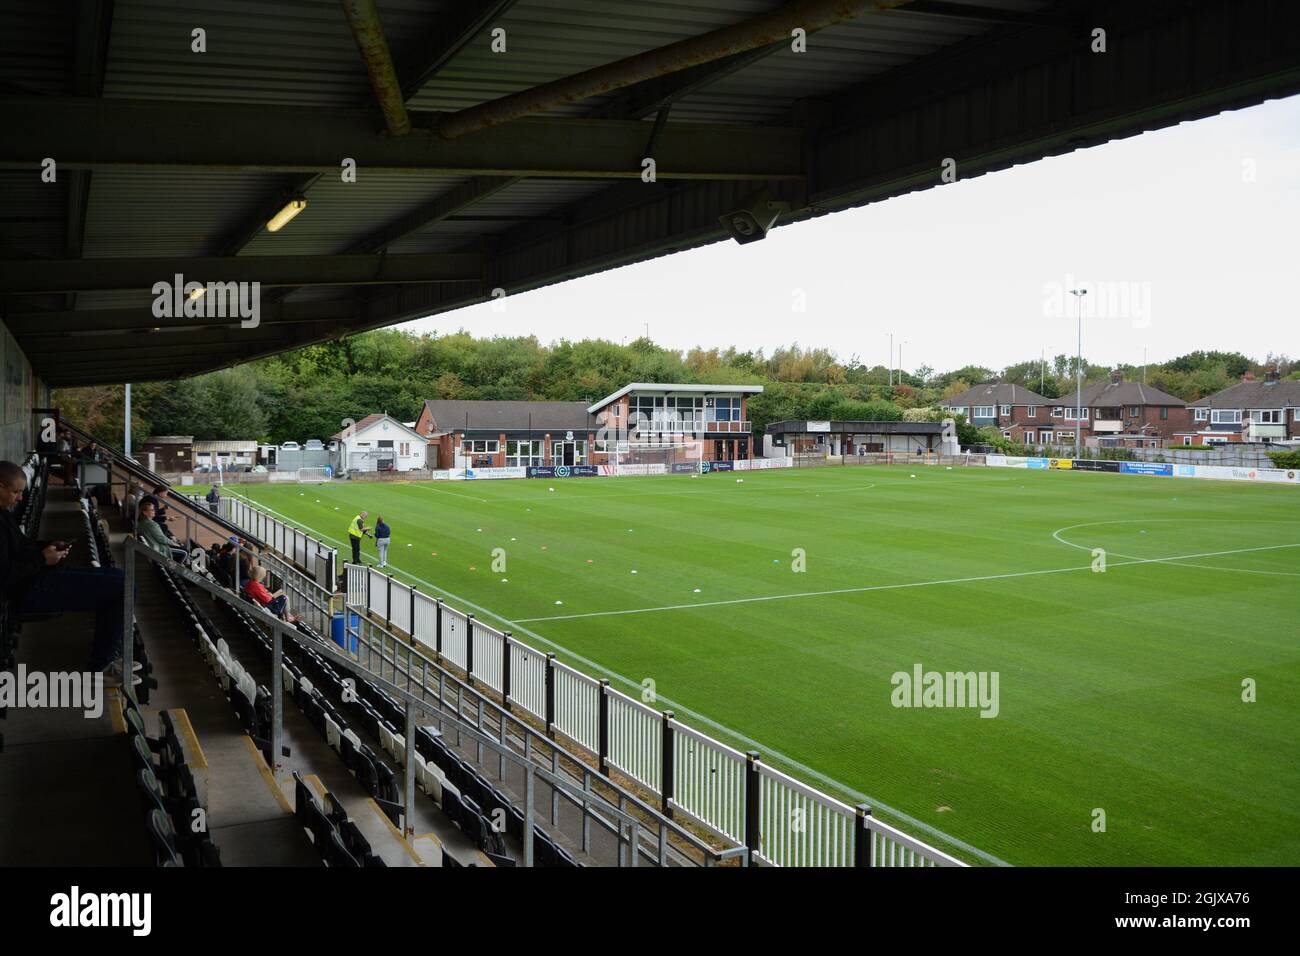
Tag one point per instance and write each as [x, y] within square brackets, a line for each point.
[754, 218]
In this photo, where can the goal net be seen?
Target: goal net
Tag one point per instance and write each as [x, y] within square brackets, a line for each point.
[657, 457]
[313, 476]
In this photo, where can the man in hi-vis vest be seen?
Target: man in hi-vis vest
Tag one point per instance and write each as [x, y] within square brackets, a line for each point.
[356, 530]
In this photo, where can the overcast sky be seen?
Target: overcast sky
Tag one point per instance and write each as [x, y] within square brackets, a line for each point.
[1187, 238]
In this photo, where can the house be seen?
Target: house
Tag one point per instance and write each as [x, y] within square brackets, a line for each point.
[697, 422]
[171, 453]
[1120, 414]
[377, 443]
[225, 454]
[1020, 414]
[642, 421]
[506, 434]
[1254, 411]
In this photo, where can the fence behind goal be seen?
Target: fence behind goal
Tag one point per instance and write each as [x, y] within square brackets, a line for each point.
[734, 795]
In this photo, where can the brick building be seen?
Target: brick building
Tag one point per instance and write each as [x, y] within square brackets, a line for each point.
[490, 434]
[1120, 414]
[1254, 411]
[1020, 414]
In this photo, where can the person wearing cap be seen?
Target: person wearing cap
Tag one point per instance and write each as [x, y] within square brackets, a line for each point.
[356, 531]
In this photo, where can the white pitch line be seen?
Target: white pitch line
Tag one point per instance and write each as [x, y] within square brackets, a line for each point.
[1203, 567]
[669, 704]
[889, 587]
[433, 486]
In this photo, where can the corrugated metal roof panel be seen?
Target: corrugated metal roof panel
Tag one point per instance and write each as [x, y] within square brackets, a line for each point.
[338, 214]
[291, 52]
[137, 213]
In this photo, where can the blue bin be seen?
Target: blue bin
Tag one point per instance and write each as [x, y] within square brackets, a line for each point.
[339, 633]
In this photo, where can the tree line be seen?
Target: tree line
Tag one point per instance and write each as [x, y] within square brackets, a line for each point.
[307, 393]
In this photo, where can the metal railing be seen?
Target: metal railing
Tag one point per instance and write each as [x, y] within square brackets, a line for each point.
[317, 558]
[412, 681]
[661, 841]
[731, 794]
[195, 513]
[776, 819]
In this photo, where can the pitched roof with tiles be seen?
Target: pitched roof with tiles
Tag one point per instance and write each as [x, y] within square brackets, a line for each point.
[996, 393]
[1283, 394]
[367, 422]
[508, 416]
[1123, 393]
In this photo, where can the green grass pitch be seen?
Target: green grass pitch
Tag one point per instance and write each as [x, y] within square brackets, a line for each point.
[1119, 692]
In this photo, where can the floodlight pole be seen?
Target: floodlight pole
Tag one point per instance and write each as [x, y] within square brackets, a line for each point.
[1078, 373]
[891, 357]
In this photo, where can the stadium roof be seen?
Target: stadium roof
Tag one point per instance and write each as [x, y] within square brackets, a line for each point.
[481, 172]
[671, 387]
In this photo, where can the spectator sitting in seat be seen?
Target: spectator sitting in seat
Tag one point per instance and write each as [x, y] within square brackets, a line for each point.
[152, 534]
[276, 603]
[65, 457]
[247, 560]
[159, 497]
[224, 560]
[32, 581]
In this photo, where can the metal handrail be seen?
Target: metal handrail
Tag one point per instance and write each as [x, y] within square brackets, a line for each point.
[139, 471]
[280, 630]
[529, 734]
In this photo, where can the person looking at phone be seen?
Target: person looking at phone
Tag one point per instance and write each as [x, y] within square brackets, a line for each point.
[34, 581]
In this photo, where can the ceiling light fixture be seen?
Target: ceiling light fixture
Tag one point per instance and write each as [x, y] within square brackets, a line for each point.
[291, 209]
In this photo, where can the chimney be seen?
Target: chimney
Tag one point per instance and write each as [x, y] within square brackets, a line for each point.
[1117, 376]
[1248, 377]
[1272, 377]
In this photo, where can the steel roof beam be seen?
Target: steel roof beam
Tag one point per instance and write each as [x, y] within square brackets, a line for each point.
[36, 325]
[368, 31]
[759, 31]
[29, 276]
[92, 133]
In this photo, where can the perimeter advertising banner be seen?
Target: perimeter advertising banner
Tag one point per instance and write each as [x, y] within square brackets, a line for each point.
[480, 473]
[708, 466]
[1219, 472]
[563, 471]
[1146, 468]
[1093, 464]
